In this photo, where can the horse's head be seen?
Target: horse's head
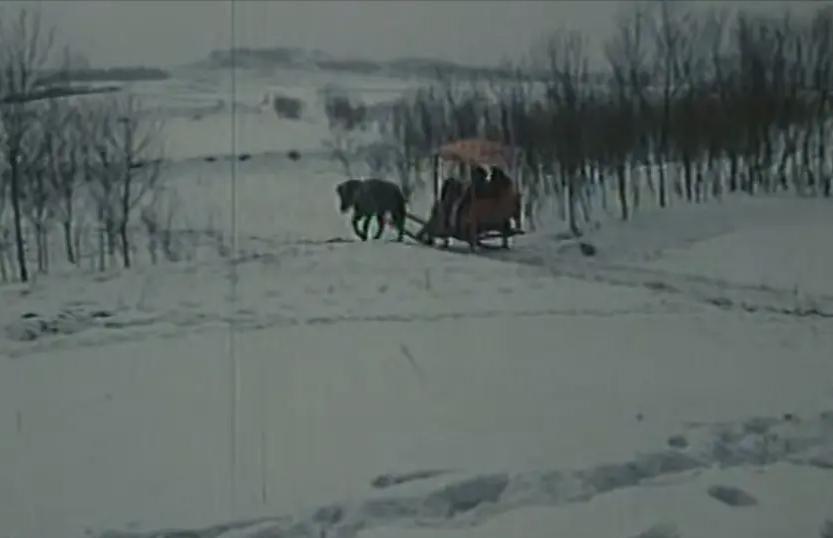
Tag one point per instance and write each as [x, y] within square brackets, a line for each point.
[347, 193]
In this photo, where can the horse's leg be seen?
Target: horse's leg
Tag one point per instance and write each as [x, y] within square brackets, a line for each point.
[399, 222]
[380, 221]
[356, 218]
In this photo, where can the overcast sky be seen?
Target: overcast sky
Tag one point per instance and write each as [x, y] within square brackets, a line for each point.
[169, 32]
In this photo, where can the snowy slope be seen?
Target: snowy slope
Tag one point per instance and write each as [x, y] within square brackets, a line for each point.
[544, 385]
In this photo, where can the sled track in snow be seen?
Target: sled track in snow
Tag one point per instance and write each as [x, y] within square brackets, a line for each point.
[714, 292]
[177, 324]
[706, 290]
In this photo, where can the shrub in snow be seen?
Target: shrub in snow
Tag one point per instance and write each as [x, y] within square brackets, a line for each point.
[288, 107]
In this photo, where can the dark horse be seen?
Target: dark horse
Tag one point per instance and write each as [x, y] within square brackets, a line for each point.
[372, 198]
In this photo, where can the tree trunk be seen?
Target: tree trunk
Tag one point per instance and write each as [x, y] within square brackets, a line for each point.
[125, 215]
[663, 195]
[45, 242]
[649, 174]
[717, 176]
[584, 198]
[750, 176]
[77, 233]
[38, 247]
[102, 242]
[125, 244]
[560, 181]
[18, 221]
[824, 172]
[110, 229]
[808, 165]
[663, 153]
[623, 189]
[733, 171]
[571, 205]
[687, 176]
[766, 162]
[67, 226]
[4, 273]
[153, 243]
[42, 246]
[822, 156]
[789, 147]
[602, 187]
[699, 192]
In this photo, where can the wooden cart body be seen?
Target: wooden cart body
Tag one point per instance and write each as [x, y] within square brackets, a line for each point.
[464, 206]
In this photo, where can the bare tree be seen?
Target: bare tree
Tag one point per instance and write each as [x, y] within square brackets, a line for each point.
[157, 216]
[628, 54]
[821, 43]
[101, 170]
[757, 47]
[668, 30]
[62, 145]
[728, 123]
[37, 196]
[567, 93]
[135, 138]
[406, 140]
[63, 156]
[524, 125]
[24, 51]
[5, 243]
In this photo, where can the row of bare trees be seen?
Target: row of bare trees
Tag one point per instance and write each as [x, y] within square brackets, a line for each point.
[691, 105]
[70, 166]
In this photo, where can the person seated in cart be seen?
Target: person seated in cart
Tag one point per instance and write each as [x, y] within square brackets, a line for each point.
[485, 184]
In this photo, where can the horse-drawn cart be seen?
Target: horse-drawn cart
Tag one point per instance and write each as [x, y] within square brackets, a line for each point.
[481, 201]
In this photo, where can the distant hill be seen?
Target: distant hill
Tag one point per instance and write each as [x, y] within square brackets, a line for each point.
[111, 74]
[289, 57]
[263, 57]
[54, 92]
[298, 58]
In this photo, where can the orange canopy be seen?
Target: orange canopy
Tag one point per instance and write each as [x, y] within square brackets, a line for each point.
[478, 151]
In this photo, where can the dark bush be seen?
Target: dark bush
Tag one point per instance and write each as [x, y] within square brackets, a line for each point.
[288, 107]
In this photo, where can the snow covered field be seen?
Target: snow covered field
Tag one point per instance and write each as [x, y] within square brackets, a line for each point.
[526, 393]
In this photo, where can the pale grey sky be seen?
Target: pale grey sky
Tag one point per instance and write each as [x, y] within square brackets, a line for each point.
[168, 32]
